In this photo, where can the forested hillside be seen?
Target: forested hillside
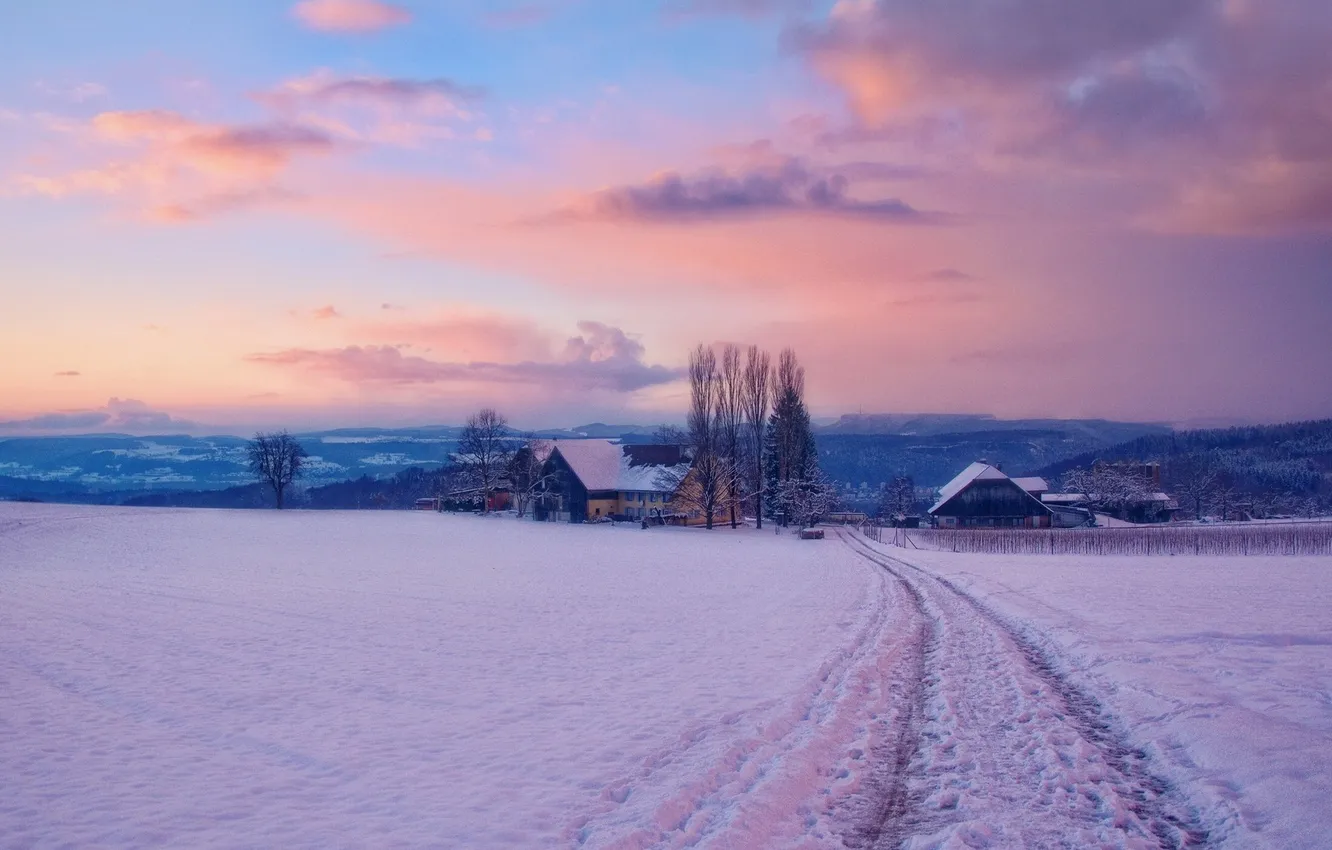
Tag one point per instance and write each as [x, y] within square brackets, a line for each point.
[933, 460]
[1291, 461]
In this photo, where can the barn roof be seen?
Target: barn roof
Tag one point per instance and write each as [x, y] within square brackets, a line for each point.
[975, 472]
[1032, 484]
[603, 465]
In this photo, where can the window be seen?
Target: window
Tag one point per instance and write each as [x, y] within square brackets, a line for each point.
[642, 497]
[654, 497]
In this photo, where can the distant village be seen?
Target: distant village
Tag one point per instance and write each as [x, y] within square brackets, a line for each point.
[748, 455]
[599, 480]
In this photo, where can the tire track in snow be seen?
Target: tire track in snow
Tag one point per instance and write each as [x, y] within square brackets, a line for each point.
[1004, 726]
[887, 796]
[764, 777]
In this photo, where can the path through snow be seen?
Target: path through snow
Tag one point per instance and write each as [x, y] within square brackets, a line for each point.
[1006, 751]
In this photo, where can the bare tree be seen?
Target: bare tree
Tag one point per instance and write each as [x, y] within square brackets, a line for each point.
[1193, 480]
[485, 449]
[1226, 496]
[670, 435]
[807, 499]
[1108, 486]
[754, 400]
[730, 418]
[702, 489]
[277, 460]
[527, 477]
[898, 498]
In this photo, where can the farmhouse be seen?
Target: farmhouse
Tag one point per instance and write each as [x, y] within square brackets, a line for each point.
[587, 479]
[983, 496]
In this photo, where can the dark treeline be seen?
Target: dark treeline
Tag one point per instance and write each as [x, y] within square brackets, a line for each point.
[1289, 463]
[394, 492]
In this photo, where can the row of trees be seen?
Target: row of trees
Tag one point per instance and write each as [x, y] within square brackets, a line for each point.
[1200, 484]
[748, 430]
[1204, 485]
[489, 454]
[744, 455]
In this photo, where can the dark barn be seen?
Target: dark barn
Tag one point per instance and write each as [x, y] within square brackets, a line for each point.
[983, 496]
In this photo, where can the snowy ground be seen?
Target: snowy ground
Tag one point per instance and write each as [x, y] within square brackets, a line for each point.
[1219, 669]
[206, 678]
[201, 678]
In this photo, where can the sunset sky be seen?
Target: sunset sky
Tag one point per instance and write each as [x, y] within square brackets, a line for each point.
[221, 216]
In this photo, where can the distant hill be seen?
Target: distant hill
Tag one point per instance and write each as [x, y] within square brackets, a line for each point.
[933, 460]
[350, 466]
[600, 430]
[102, 463]
[1294, 458]
[1101, 431]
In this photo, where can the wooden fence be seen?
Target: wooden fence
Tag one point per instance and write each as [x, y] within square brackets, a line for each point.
[1268, 539]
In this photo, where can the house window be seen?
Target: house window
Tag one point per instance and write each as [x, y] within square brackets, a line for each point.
[654, 497]
[642, 497]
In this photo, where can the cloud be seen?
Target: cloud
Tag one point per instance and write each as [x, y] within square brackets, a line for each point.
[58, 421]
[383, 110]
[1184, 101]
[887, 53]
[462, 333]
[178, 169]
[791, 187]
[323, 87]
[354, 16]
[118, 414]
[599, 358]
[328, 311]
[70, 373]
[136, 415]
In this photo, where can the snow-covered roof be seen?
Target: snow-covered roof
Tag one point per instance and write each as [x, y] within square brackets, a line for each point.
[1032, 484]
[1063, 498]
[595, 462]
[976, 472]
[1077, 498]
[603, 465]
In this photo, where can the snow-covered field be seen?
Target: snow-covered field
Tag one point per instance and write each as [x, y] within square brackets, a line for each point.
[210, 678]
[1220, 669]
[201, 678]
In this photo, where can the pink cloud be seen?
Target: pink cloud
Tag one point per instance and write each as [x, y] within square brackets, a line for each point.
[118, 414]
[324, 87]
[600, 358]
[179, 169]
[355, 16]
[788, 185]
[796, 254]
[328, 311]
[1218, 111]
[385, 110]
[465, 334]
